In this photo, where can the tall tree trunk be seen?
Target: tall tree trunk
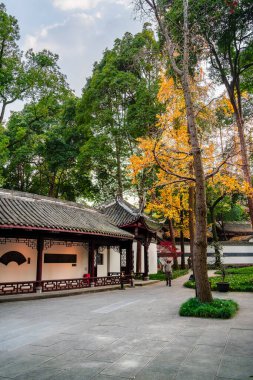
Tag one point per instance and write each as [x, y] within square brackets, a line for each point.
[119, 171]
[245, 160]
[200, 243]
[215, 239]
[191, 219]
[2, 112]
[52, 185]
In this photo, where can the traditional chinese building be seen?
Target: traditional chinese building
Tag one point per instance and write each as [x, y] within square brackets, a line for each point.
[47, 244]
[135, 221]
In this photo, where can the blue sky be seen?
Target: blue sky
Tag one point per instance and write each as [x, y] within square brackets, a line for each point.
[77, 30]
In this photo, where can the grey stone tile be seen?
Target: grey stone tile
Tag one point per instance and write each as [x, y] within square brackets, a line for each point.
[77, 374]
[68, 359]
[22, 365]
[49, 341]
[147, 348]
[183, 341]
[148, 375]
[213, 339]
[175, 350]
[165, 365]
[240, 343]
[127, 366]
[206, 350]
[147, 340]
[173, 354]
[105, 377]
[208, 364]
[110, 355]
[193, 373]
[236, 367]
[75, 355]
[93, 342]
[52, 350]
[194, 331]
[39, 373]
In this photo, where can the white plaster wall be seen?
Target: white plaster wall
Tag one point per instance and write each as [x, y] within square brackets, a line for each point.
[65, 271]
[13, 271]
[232, 249]
[152, 258]
[114, 261]
[102, 269]
[135, 254]
[142, 259]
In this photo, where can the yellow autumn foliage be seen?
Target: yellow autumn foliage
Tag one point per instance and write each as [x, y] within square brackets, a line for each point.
[168, 152]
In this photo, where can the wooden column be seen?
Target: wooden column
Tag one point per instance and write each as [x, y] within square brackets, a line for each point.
[40, 246]
[91, 260]
[138, 257]
[108, 259]
[146, 266]
[147, 242]
[129, 257]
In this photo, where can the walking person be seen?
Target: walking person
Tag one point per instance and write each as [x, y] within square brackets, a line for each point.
[168, 272]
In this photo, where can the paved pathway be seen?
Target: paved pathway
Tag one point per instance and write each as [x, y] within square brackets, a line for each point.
[130, 334]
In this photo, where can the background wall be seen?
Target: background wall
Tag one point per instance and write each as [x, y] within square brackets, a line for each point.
[233, 253]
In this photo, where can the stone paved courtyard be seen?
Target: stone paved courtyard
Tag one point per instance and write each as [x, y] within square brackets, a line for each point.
[130, 334]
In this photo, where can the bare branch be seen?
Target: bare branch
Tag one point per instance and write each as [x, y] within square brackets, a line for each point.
[168, 171]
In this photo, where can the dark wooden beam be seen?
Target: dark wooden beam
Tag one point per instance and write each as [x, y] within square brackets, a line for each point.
[91, 258]
[40, 246]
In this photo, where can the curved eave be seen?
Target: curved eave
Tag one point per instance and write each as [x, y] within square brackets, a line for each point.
[157, 227]
[140, 222]
[9, 226]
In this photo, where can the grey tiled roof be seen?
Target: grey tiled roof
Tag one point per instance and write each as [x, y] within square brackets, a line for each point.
[122, 214]
[236, 228]
[19, 209]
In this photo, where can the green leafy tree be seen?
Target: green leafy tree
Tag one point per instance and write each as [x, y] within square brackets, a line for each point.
[28, 76]
[117, 106]
[43, 145]
[227, 29]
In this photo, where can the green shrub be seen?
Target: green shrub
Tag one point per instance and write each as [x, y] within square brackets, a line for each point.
[161, 276]
[242, 270]
[237, 282]
[218, 308]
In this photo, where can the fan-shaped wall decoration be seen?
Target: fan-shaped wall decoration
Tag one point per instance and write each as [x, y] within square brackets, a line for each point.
[10, 256]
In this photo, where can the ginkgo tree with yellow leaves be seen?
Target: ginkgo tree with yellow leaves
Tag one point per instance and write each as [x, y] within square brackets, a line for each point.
[167, 153]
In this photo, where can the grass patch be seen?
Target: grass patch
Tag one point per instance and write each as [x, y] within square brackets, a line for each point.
[237, 282]
[242, 270]
[218, 308]
[161, 276]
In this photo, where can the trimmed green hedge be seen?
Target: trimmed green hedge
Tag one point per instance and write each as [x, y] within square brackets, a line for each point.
[237, 282]
[218, 308]
[161, 276]
[242, 270]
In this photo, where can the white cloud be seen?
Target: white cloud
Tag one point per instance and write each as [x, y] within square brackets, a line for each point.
[77, 30]
[68, 5]
[82, 36]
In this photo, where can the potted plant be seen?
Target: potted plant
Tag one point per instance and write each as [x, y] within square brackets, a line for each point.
[223, 286]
